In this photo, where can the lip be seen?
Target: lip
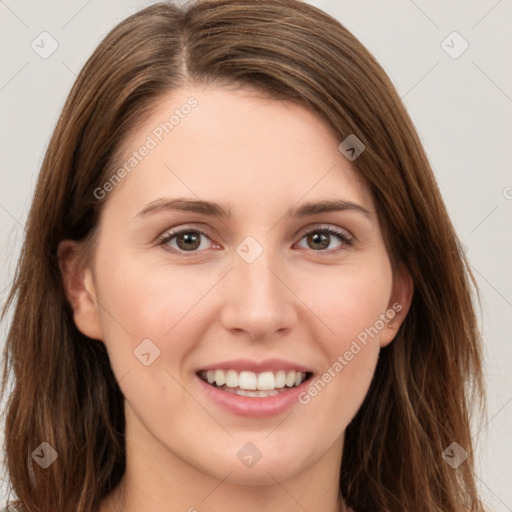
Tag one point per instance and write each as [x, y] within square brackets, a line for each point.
[253, 407]
[273, 365]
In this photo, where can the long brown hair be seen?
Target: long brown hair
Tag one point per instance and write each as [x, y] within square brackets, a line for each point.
[64, 391]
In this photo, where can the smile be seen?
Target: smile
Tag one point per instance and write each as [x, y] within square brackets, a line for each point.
[251, 384]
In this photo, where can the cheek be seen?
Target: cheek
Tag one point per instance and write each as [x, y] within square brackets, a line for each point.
[348, 301]
[141, 301]
[351, 304]
[150, 302]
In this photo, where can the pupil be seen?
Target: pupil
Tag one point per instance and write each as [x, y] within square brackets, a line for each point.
[188, 237]
[320, 238]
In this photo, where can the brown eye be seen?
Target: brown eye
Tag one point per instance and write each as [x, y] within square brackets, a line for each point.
[188, 241]
[320, 239]
[185, 240]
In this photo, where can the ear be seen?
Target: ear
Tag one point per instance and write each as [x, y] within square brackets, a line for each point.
[79, 287]
[399, 304]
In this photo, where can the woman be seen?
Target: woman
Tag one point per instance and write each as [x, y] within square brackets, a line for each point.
[240, 288]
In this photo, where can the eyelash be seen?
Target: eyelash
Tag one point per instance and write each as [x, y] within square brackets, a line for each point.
[343, 237]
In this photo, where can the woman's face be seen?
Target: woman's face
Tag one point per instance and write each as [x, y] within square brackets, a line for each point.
[250, 296]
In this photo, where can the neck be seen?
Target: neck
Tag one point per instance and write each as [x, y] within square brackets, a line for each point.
[230, 500]
[158, 480]
[117, 502]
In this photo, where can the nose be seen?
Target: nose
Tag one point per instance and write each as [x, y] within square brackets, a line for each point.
[258, 300]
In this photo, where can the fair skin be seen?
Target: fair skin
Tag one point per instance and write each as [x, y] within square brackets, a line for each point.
[304, 300]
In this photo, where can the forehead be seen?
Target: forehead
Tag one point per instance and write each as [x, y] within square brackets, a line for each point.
[235, 146]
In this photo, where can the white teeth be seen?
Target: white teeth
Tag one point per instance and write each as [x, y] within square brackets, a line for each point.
[266, 381]
[280, 380]
[263, 384]
[259, 394]
[231, 379]
[290, 379]
[220, 378]
[247, 380]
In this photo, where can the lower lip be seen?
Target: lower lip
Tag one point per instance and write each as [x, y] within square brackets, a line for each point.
[254, 407]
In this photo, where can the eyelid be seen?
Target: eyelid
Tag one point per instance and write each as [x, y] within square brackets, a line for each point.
[327, 227]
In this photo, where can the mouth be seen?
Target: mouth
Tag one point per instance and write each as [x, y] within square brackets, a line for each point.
[256, 385]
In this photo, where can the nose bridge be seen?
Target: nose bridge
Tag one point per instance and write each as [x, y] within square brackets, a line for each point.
[257, 280]
[258, 301]
[258, 284]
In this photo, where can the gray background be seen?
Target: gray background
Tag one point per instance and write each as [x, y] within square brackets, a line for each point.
[462, 108]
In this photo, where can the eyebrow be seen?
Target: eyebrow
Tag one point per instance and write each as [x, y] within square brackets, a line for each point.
[216, 210]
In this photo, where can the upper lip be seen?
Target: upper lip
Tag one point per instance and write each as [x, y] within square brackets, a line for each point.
[256, 366]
